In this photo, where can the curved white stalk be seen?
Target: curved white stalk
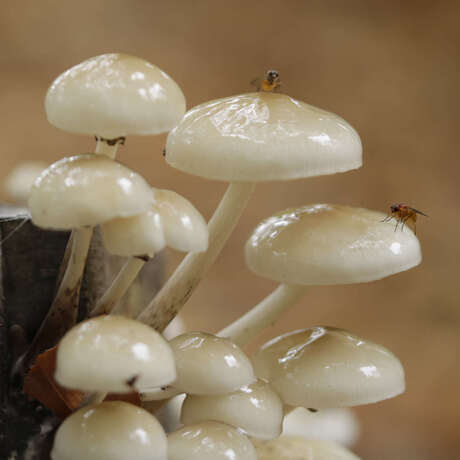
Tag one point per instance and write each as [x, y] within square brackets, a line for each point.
[265, 313]
[177, 290]
[108, 302]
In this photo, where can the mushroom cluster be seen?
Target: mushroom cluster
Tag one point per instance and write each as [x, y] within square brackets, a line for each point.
[213, 401]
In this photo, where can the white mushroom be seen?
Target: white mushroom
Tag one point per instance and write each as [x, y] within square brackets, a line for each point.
[320, 244]
[113, 95]
[80, 192]
[290, 448]
[209, 441]
[112, 430]
[114, 354]
[324, 367]
[246, 139]
[172, 220]
[255, 409]
[207, 364]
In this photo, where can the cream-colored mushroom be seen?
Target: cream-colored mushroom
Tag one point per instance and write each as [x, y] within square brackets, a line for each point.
[114, 95]
[246, 139]
[320, 244]
[209, 441]
[172, 220]
[207, 364]
[290, 448]
[324, 367]
[111, 430]
[337, 425]
[255, 409]
[114, 354]
[80, 192]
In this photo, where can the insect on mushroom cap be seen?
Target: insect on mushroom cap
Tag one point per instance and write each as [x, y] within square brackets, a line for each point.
[262, 136]
[325, 244]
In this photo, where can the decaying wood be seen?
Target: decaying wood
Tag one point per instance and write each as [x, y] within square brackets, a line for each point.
[30, 259]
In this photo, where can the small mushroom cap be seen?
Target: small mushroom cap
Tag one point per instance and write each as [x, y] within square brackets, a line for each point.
[255, 409]
[209, 441]
[207, 364]
[114, 353]
[114, 95]
[337, 425]
[111, 430]
[330, 244]
[261, 137]
[324, 367]
[140, 235]
[87, 190]
[184, 227]
[20, 180]
[290, 448]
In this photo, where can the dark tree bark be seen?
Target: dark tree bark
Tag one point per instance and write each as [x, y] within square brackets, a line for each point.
[30, 261]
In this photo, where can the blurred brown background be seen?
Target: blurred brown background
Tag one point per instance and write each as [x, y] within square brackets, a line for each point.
[389, 68]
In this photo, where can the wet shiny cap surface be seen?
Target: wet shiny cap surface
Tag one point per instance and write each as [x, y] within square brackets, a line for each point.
[114, 95]
[290, 448]
[110, 431]
[325, 244]
[115, 354]
[325, 367]
[207, 364]
[261, 137]
[209, 441]
[255, 409]
[86, 190]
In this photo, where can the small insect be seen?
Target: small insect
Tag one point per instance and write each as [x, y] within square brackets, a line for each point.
[271, 82]
[404, 214]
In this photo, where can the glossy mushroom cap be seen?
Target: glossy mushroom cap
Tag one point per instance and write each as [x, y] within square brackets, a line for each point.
[337, 425]
[140, 235]
[111, 430]
[114, 95]
[261, 137]
[330, 244]
[209, 441]
[255, 409]
[184, 227]
[290, 448]
[114, 354]
[324, 367]
[86, 190]
[207, 364]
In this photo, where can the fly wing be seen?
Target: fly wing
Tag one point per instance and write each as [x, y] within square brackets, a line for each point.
[418, 212]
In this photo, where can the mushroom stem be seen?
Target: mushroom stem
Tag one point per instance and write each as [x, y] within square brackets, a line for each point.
[103, 147]
[63, 311]
[245, 328]
[94, 398]
[108, 302]
[180, 286]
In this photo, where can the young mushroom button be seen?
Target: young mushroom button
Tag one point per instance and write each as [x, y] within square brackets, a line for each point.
[320, 244]
[243, 140]
[113, 95]
[209, 441]
[111, 430]
[324, 367]
[114, 354]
